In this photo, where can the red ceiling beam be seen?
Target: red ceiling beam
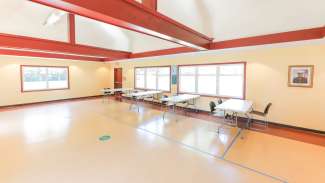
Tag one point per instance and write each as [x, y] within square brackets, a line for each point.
[35, 45]
[300, 35]
[170, 51]
[47, 55]
[152, 4]
[134, 16]
[72, 29]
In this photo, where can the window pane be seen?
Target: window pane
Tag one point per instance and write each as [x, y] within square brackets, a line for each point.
[232, 69]
[146, 78]
[139, 71]
[231, 86]
[57, 78]
[211, 69]
[163, 71]
[42, 78]
[139, 81]
[187, 84]
[207, 85]
[34, 78]
[163, 83]
[151, 78]
[187, 70]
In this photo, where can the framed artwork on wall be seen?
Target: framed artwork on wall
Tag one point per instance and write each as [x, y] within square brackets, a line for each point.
[301, 76]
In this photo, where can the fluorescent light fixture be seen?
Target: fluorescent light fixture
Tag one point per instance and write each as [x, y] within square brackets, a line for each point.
[54, 17]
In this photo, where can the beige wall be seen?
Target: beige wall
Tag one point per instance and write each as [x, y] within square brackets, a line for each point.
[267, 72]
[86, 79]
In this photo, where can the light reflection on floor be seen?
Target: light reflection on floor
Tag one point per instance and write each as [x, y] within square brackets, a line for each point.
[67, 135]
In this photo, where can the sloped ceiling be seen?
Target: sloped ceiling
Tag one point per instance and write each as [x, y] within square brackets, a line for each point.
[220, 19]
[94, 33]
[232, 19]
[22, 17]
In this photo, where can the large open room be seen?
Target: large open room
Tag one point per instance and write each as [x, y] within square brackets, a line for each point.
[162, 91]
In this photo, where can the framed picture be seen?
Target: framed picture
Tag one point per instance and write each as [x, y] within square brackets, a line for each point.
[301, 76]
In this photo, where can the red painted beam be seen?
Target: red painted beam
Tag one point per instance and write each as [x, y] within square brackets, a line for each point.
[170, 51]
[47, 55]
[300, 35]
[72, 29]
[62, 48]
[134, 16]
[152, 4]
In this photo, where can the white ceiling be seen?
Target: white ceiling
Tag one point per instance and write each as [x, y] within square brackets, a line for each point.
[220, 19]
[94, 33]
[231, 19]
[22, 17]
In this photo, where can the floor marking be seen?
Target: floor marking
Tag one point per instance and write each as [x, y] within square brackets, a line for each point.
[104, 138]
[231, 143]
[209, 154]
[203, 152]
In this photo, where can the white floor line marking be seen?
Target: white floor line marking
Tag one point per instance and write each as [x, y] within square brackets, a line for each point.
[231, 143]
[203, 152]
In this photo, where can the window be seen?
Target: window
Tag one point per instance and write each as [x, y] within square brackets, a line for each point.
[36, 78]
[152, 78]
[225, 80]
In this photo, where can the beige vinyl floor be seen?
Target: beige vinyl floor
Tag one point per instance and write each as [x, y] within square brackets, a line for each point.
[60, 143]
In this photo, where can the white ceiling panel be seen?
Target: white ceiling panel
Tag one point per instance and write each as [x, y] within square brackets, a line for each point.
[95, 33]
[22, 17]
[231, 19]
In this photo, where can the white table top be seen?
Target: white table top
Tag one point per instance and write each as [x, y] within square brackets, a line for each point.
[236, 105]
[145, 93]
[116, 90]
[180, 98]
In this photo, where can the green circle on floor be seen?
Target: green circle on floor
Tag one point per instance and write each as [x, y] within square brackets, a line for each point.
[105, 138]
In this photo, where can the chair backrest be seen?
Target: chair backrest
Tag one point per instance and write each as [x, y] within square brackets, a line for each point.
[164, 102]
[267, 108]
[212, 106]
[220, 101]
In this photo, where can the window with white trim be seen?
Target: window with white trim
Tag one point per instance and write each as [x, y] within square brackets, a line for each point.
[36, 78]
[152, 78]
[224, 80]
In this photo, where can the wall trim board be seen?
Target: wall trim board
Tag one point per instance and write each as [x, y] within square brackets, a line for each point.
[22, 105]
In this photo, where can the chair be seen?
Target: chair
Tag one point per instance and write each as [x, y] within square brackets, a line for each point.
[166, 105]
[106, 93]
[263, 114]
[212, 106]
[118, 96]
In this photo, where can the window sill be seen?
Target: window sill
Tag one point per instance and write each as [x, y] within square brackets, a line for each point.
[27, 91]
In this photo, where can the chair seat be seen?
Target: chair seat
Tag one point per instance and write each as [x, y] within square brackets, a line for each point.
[259, 113]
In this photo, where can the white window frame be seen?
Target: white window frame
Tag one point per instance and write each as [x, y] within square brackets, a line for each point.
[22, 79]
[218, 74]
[157, 77]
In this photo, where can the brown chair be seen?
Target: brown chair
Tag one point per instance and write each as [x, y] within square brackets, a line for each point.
[263, 114]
